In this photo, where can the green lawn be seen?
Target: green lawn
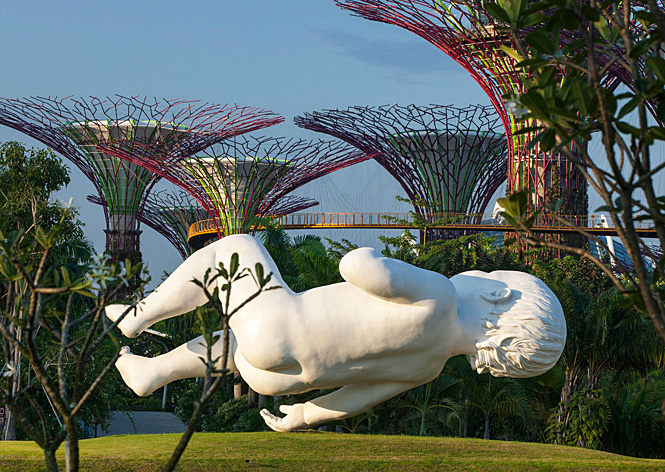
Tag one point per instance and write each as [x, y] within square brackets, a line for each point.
[323, 452]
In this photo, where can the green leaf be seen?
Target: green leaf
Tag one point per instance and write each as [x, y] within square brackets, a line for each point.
[643, 46]
[628, 129]
[657, 66]
[258, 269]
[618, 202]
[604, 29]
[515, 206]
[496, 12]
[556, 205]
[547, 139]
[527, 130]
[512, 53]
[629, 106]
[645, 17]
[580, 93]
[591, 13]
[65, 276]
[509, 241]
[221, 270]
[657, 132]
[509, 218]
[235, 263]
[539, 40]
[660, 111]
[532, 20]
[608, 208]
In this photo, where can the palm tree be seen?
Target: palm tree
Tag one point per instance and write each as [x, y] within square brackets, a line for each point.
[437, 394]
[499, 398]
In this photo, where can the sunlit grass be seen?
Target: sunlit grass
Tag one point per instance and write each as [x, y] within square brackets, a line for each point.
[322, 452]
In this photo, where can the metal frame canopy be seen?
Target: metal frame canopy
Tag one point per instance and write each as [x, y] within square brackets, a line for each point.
[453, 158]
[240, 178]
[464, 32]
[77, 128]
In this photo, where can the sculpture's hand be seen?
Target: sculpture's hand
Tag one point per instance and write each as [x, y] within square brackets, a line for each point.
[294, 419]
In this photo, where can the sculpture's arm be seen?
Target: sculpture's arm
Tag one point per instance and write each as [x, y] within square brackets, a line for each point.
[346, 402]
[393, 280]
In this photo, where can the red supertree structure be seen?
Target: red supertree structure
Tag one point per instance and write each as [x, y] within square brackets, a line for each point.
[77, 128]
[448, 160]
[240, 179]
[464, 32]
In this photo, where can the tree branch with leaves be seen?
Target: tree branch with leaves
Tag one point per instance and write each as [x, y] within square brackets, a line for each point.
[567, 97]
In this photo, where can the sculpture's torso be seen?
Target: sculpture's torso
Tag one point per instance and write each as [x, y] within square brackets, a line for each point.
[339, 335]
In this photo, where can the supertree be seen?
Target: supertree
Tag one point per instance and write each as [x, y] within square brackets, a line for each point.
[450, 159]
[463, 31]
[239, 179]
[170, 214]
[77, 128]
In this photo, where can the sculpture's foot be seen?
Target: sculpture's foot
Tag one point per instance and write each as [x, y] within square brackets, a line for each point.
[129, 325]
[136, 372]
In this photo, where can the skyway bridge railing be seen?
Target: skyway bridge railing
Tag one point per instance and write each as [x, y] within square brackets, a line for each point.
[454, 221]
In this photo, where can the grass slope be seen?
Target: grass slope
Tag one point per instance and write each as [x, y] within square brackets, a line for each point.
[322, 452]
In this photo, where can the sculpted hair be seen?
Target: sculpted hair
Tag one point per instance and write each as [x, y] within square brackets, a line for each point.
[525, 332]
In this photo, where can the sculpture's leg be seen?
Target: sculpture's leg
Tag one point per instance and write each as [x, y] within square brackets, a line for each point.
[346, 402]
[178, 295]
[144, 375]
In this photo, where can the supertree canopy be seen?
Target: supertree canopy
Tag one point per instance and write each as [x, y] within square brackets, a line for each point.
[77, 128]
[246, 177]
[463, 31]
[453, 159]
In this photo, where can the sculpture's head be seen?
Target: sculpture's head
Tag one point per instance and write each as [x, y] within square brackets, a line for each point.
[524, 329]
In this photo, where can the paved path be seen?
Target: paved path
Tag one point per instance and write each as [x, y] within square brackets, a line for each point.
[143, 422]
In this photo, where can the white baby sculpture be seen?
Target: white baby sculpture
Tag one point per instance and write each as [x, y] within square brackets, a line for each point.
[390, 327]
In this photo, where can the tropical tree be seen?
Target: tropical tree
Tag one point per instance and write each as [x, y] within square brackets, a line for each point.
[427, 400]
[636, 426]
[304, 262]
[498, 398]
[40, 312]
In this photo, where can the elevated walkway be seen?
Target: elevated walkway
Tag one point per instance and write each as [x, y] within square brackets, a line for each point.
[460, 222]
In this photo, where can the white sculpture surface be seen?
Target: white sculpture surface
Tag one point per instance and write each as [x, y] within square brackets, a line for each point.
[388, 328]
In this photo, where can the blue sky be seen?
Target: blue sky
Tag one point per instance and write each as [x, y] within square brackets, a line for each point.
[289, 56]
